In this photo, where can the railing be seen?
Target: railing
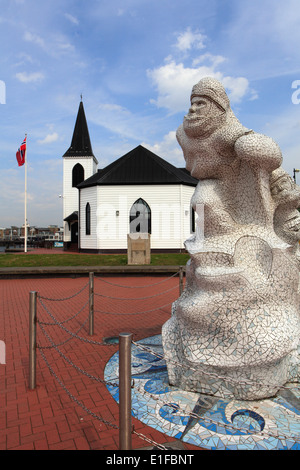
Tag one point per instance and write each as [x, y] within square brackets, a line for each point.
[125, 383]
[36, 299]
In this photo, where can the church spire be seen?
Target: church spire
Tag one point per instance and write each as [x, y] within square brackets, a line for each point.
[81, 144]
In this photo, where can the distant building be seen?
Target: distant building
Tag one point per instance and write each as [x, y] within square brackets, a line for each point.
[52, 232]
[138, 193]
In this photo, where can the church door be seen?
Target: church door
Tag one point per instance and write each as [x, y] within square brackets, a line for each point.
[74, 232]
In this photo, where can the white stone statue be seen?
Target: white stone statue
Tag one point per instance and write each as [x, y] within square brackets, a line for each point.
[234, 332]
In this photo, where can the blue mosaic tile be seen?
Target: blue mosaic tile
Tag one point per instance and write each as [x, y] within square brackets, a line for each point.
[219, 424]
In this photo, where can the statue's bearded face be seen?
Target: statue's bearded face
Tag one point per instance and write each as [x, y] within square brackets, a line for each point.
[203, 117]
[285, 191]
[287, 218]
[287, 224]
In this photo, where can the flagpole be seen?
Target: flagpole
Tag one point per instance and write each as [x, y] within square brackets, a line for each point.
[25, 201]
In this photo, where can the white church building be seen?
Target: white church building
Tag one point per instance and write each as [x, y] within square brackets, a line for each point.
[138, 194]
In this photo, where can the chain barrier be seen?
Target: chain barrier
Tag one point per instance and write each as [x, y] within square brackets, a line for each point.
[136, 298]
[98, 379]
[74, 335]
[65, 298]
[138, 345]
[136, 287]
[210, 374]
[56, 322]
[228, 426]
[55, 346]
[135, 313]
[87, 410]
[195, 415]
[177, 408]
[150, 441]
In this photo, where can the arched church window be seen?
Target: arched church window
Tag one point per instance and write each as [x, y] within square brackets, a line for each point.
[140, 217]
[88, 219]
[77, 174]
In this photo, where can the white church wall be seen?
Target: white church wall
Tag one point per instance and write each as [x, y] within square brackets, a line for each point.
[170, 215]
[70, 194]
[88, 195]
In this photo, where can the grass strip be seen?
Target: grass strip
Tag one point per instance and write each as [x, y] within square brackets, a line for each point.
[18, 260]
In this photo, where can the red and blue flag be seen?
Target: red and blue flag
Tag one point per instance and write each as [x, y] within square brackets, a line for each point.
[21, 153]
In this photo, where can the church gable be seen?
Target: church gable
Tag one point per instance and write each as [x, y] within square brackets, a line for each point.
[139, 166]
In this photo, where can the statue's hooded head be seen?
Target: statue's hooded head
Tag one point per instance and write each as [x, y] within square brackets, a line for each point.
[209, 117]
[286, 195]
[213, 89]
[283, 188]
[209, 107]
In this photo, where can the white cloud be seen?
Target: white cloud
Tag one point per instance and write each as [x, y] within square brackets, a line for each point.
[61, 44]
[119, 120]
[24, 59]
[111, 107]
[174, 80]
[189, 39]
[34, 38]
[213, 60]
[168, 149]
[72, 18]
[174, 83]
[284, 128]
[237, 87]
[25, 77]
[49, 139]
[55, 45]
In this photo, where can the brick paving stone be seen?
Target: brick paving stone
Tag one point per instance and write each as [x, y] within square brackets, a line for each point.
[52, 436]
[25, 429]
[69, 444]
[63, 427]
[29, 446]
[41, 444]
[77, 413]
[81, 443]
[13, 440]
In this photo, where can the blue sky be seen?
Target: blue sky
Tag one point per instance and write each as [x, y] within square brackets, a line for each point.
[134, 62]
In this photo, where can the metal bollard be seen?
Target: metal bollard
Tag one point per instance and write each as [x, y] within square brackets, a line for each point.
[32, 340]
[91, 304]
[125, 430]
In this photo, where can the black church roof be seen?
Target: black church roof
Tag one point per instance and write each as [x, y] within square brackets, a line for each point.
[72, 217]
[81, 143]
[139, 166]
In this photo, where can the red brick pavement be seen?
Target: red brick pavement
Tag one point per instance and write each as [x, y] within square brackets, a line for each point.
[47, 418]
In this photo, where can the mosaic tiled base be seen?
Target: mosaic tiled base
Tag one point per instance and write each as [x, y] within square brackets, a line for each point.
[218, 423]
